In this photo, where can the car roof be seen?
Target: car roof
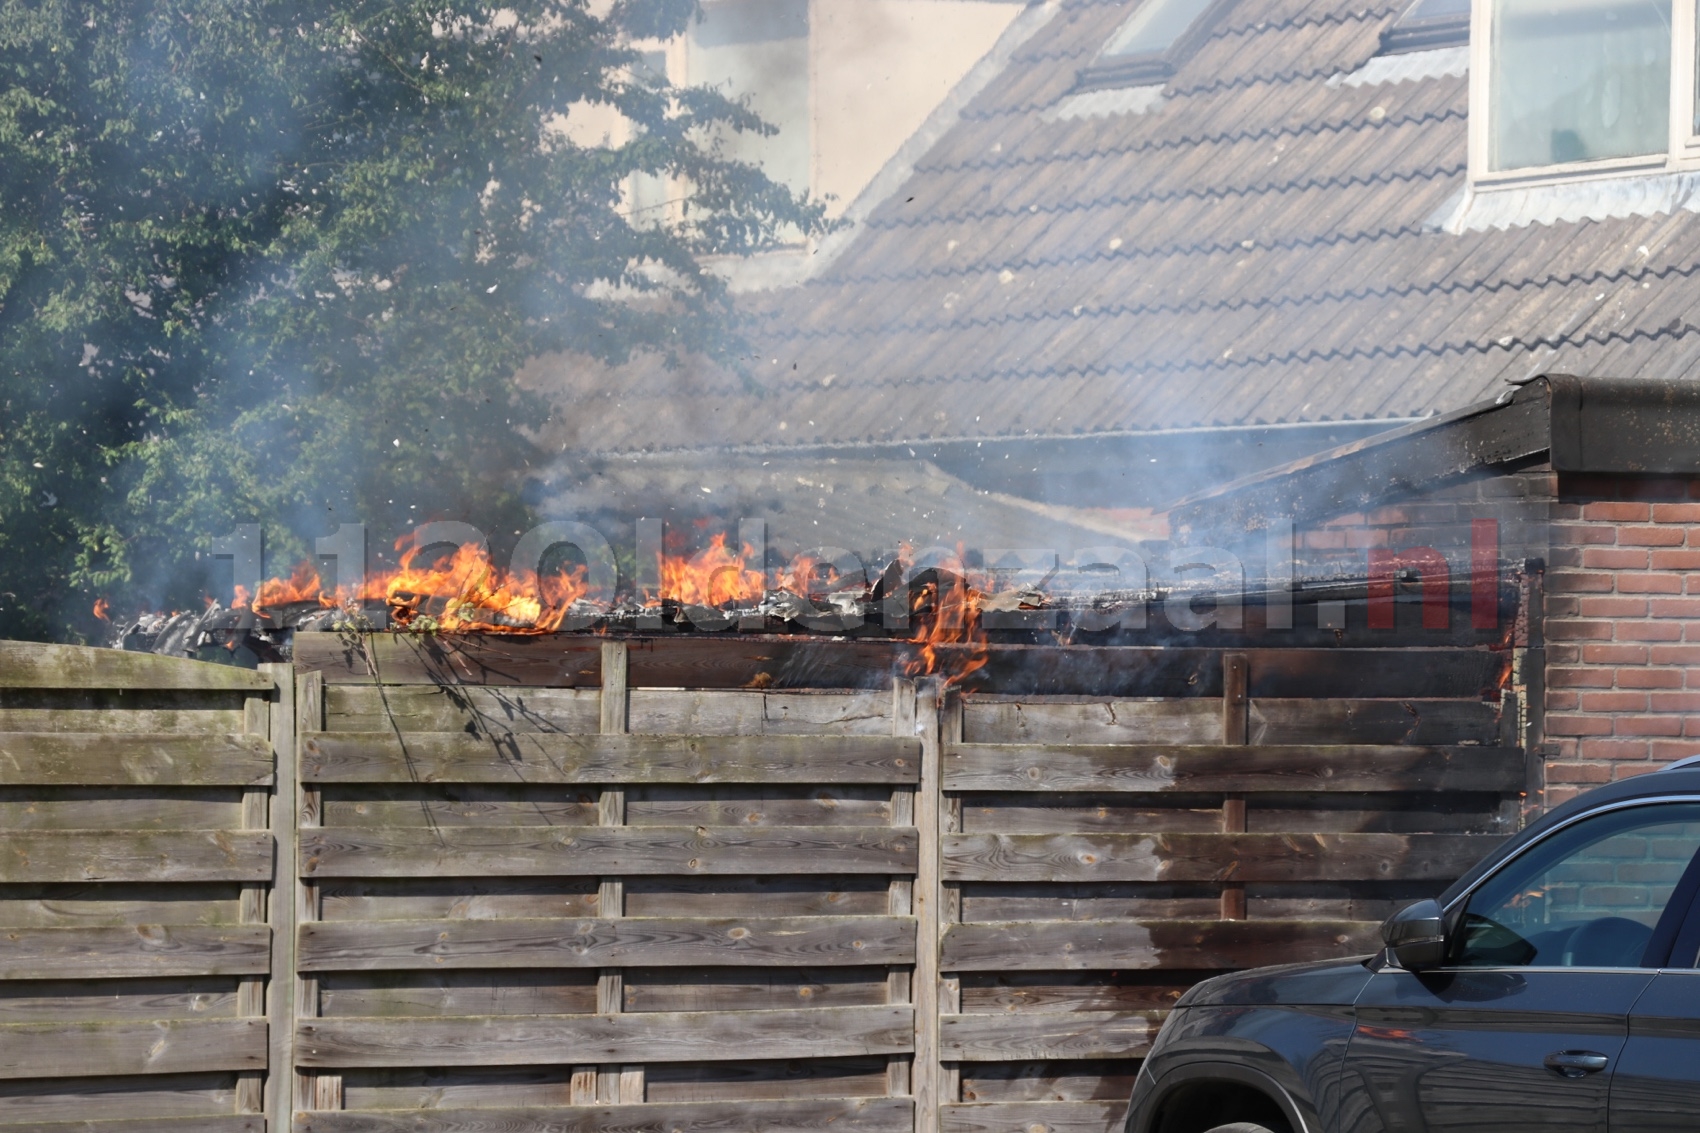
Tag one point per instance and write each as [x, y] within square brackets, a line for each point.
[1680, 778]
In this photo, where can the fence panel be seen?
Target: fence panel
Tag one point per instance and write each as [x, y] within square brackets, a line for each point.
[1099, 857]
[136, 864]
[604, 908]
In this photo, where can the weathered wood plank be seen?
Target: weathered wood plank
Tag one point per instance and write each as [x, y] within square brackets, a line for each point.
[544, 661]
[235, 1123]
[429, 708]
[157, 759]
[1341, 719]
[856, 1115]
[547, 757]
[1035, 946]
[1111, 720]
[1217, 768]
[424, 994]
[136, 951]
[26, 664]
[661, 1036]
[76, 1050]
[1034, 1117]
[1212, 857]
[1044, 1035]
[471, 851]
[154, 855]
[729, 712]
[625, 941]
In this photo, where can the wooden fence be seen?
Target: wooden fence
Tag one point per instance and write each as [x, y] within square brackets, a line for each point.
[694, 885]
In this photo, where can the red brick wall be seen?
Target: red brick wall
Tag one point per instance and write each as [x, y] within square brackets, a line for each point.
[1622, 630]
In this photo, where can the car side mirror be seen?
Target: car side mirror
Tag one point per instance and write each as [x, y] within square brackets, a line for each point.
[1416, 935]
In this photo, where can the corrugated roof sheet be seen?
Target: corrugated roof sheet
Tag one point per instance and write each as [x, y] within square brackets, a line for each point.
[1268, 243]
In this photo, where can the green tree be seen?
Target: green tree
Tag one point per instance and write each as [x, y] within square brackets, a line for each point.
[279, 260]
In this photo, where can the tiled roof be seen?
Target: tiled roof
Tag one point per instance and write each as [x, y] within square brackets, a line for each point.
[1259, 246]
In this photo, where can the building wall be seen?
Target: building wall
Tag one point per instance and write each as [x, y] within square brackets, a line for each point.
[1622, 629]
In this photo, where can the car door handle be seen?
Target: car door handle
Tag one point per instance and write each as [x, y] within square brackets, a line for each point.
[1576, 1063]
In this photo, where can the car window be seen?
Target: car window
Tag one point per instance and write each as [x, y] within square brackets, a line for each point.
[1586, 897]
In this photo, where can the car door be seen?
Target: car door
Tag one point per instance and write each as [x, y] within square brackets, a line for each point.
[1519, 1031]
[1655, 1087]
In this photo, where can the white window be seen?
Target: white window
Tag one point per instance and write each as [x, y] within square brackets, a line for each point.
[1568, 88]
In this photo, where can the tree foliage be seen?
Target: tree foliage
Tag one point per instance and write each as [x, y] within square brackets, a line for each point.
[279, 260]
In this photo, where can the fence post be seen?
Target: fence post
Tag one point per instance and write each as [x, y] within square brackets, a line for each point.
[1236, 727]
[280, 1008]
[928, 1072]
[900, 894]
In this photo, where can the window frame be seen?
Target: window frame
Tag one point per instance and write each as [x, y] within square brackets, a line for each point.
[1682, 150]
[1113, 72]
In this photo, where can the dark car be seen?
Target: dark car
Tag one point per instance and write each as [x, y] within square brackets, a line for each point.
[1553, 987]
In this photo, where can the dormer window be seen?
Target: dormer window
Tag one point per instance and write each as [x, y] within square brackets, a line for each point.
[1567, 88]
[1151, 43]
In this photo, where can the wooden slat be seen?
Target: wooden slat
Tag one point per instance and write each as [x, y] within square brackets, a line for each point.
[29, 665]
[547, 757]
[235, 1123]
[662, 1036]
[1212, 857]
[80, 1050]
[134, 952]
[543, 661]
[837, 1115]
[94, 759]
[1036, 946]
[1223, 767]
[1034, 1117]
[155, 856]
[626, 941]
[536, 851]
[1004, 1037]
[703, 661]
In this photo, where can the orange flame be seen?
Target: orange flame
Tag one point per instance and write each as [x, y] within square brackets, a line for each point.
[100, 609]
[713, 577]
[955, 603]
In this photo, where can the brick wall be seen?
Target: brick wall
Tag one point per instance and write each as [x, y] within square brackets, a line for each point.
[1622, 630]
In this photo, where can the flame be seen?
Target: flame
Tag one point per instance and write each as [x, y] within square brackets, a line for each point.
[100, 609]
[302, 585]
[714, 577]
[955, 603]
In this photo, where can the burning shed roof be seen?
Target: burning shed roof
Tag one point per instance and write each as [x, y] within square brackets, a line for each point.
[1280, 237]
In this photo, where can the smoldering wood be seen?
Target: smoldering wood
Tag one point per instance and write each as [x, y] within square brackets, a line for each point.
[157, 759]
[661, 1036]
[858, 1115]
[649, 941]
[798, 662]
[447, 757]
[1216, 768]
[590, 850]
